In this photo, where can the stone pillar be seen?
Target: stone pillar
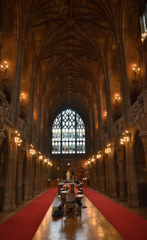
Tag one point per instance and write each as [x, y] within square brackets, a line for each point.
[107, 173]
[143, 137]
[90, 175]
[37, 179]
[2, 137]
[99, 120]
[44, 131]
[124, 87]
[94, 175]
[31, 108]
[39, 121]
[101, 176]
[132, 183]
[120, 153]
[17, 81]
[27, 187]
[112, 176]
[109, 108]
[9, 181]
[19, 173]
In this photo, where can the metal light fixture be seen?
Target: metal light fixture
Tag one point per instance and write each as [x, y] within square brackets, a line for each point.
[22, 97]
[99, 154]
[16, 138]
[32, 150]
[93, 158]
[126, 137]
[108, 149]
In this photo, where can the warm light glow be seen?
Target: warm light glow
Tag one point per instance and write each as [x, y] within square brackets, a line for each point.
[125, 138]
[108, 149]
[99, 155]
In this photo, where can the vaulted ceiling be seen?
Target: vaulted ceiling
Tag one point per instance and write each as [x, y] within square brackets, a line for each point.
[68, 40]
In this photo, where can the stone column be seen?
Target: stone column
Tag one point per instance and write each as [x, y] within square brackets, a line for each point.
[17, 81]
[90, 175]
[99, 120]
[120, 153]
[9, 181]
[124, 87]
[143, 137]
[37, 179]
[101, 176]
[31, 108]
[21, 153]
[94, 174]
[2, 137]
[132, 182]
[107, 173]
[27, 187]
[112, 176]
[39, 121]
[44, 131]
[109, 108]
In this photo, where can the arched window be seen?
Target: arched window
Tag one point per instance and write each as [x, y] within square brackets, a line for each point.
[68, 133]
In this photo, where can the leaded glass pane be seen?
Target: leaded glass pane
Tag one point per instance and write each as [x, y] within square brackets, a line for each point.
[68, 133]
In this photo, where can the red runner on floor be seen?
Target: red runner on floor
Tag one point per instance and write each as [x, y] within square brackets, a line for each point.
[24, 224]
[128, 224]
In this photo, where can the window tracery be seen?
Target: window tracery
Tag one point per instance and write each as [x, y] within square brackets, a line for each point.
[68, 133]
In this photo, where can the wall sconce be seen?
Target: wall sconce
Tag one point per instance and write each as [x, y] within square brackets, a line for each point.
[68, 164]
[108, 149]
[5, 79]
[143, 35]
[16, 138]
[22, 97]
[41, 157]
[117, 98]
[93, 158]
[32, 150]
[5, 66]
[45, 160]
[126, 137]
[99, 154]
[136, 72]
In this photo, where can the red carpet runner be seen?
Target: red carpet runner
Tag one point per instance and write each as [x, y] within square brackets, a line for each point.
[24, 224]
[128, 224]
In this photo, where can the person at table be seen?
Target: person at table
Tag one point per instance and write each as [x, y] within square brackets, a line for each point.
[77, 181]
[77, 199]
[66, 185]
[71, 190]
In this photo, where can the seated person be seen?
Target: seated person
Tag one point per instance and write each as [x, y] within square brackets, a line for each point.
[71, 190]
[77, 200]
[66, 185]
[77, 183]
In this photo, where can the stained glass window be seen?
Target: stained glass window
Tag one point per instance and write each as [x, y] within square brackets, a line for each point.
[68, 134]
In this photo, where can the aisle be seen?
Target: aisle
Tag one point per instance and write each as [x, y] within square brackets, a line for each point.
[90, 225]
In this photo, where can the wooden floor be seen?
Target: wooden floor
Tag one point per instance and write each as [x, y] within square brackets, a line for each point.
[90, 225]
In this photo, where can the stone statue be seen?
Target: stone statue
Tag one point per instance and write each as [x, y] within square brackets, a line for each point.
[68, 175]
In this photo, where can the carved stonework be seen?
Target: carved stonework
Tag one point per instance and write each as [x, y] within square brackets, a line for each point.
[143, 121]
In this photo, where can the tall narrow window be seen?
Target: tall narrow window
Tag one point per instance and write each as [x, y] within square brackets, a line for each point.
[68, 134]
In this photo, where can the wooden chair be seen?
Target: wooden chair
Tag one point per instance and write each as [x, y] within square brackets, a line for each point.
[70, 202]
